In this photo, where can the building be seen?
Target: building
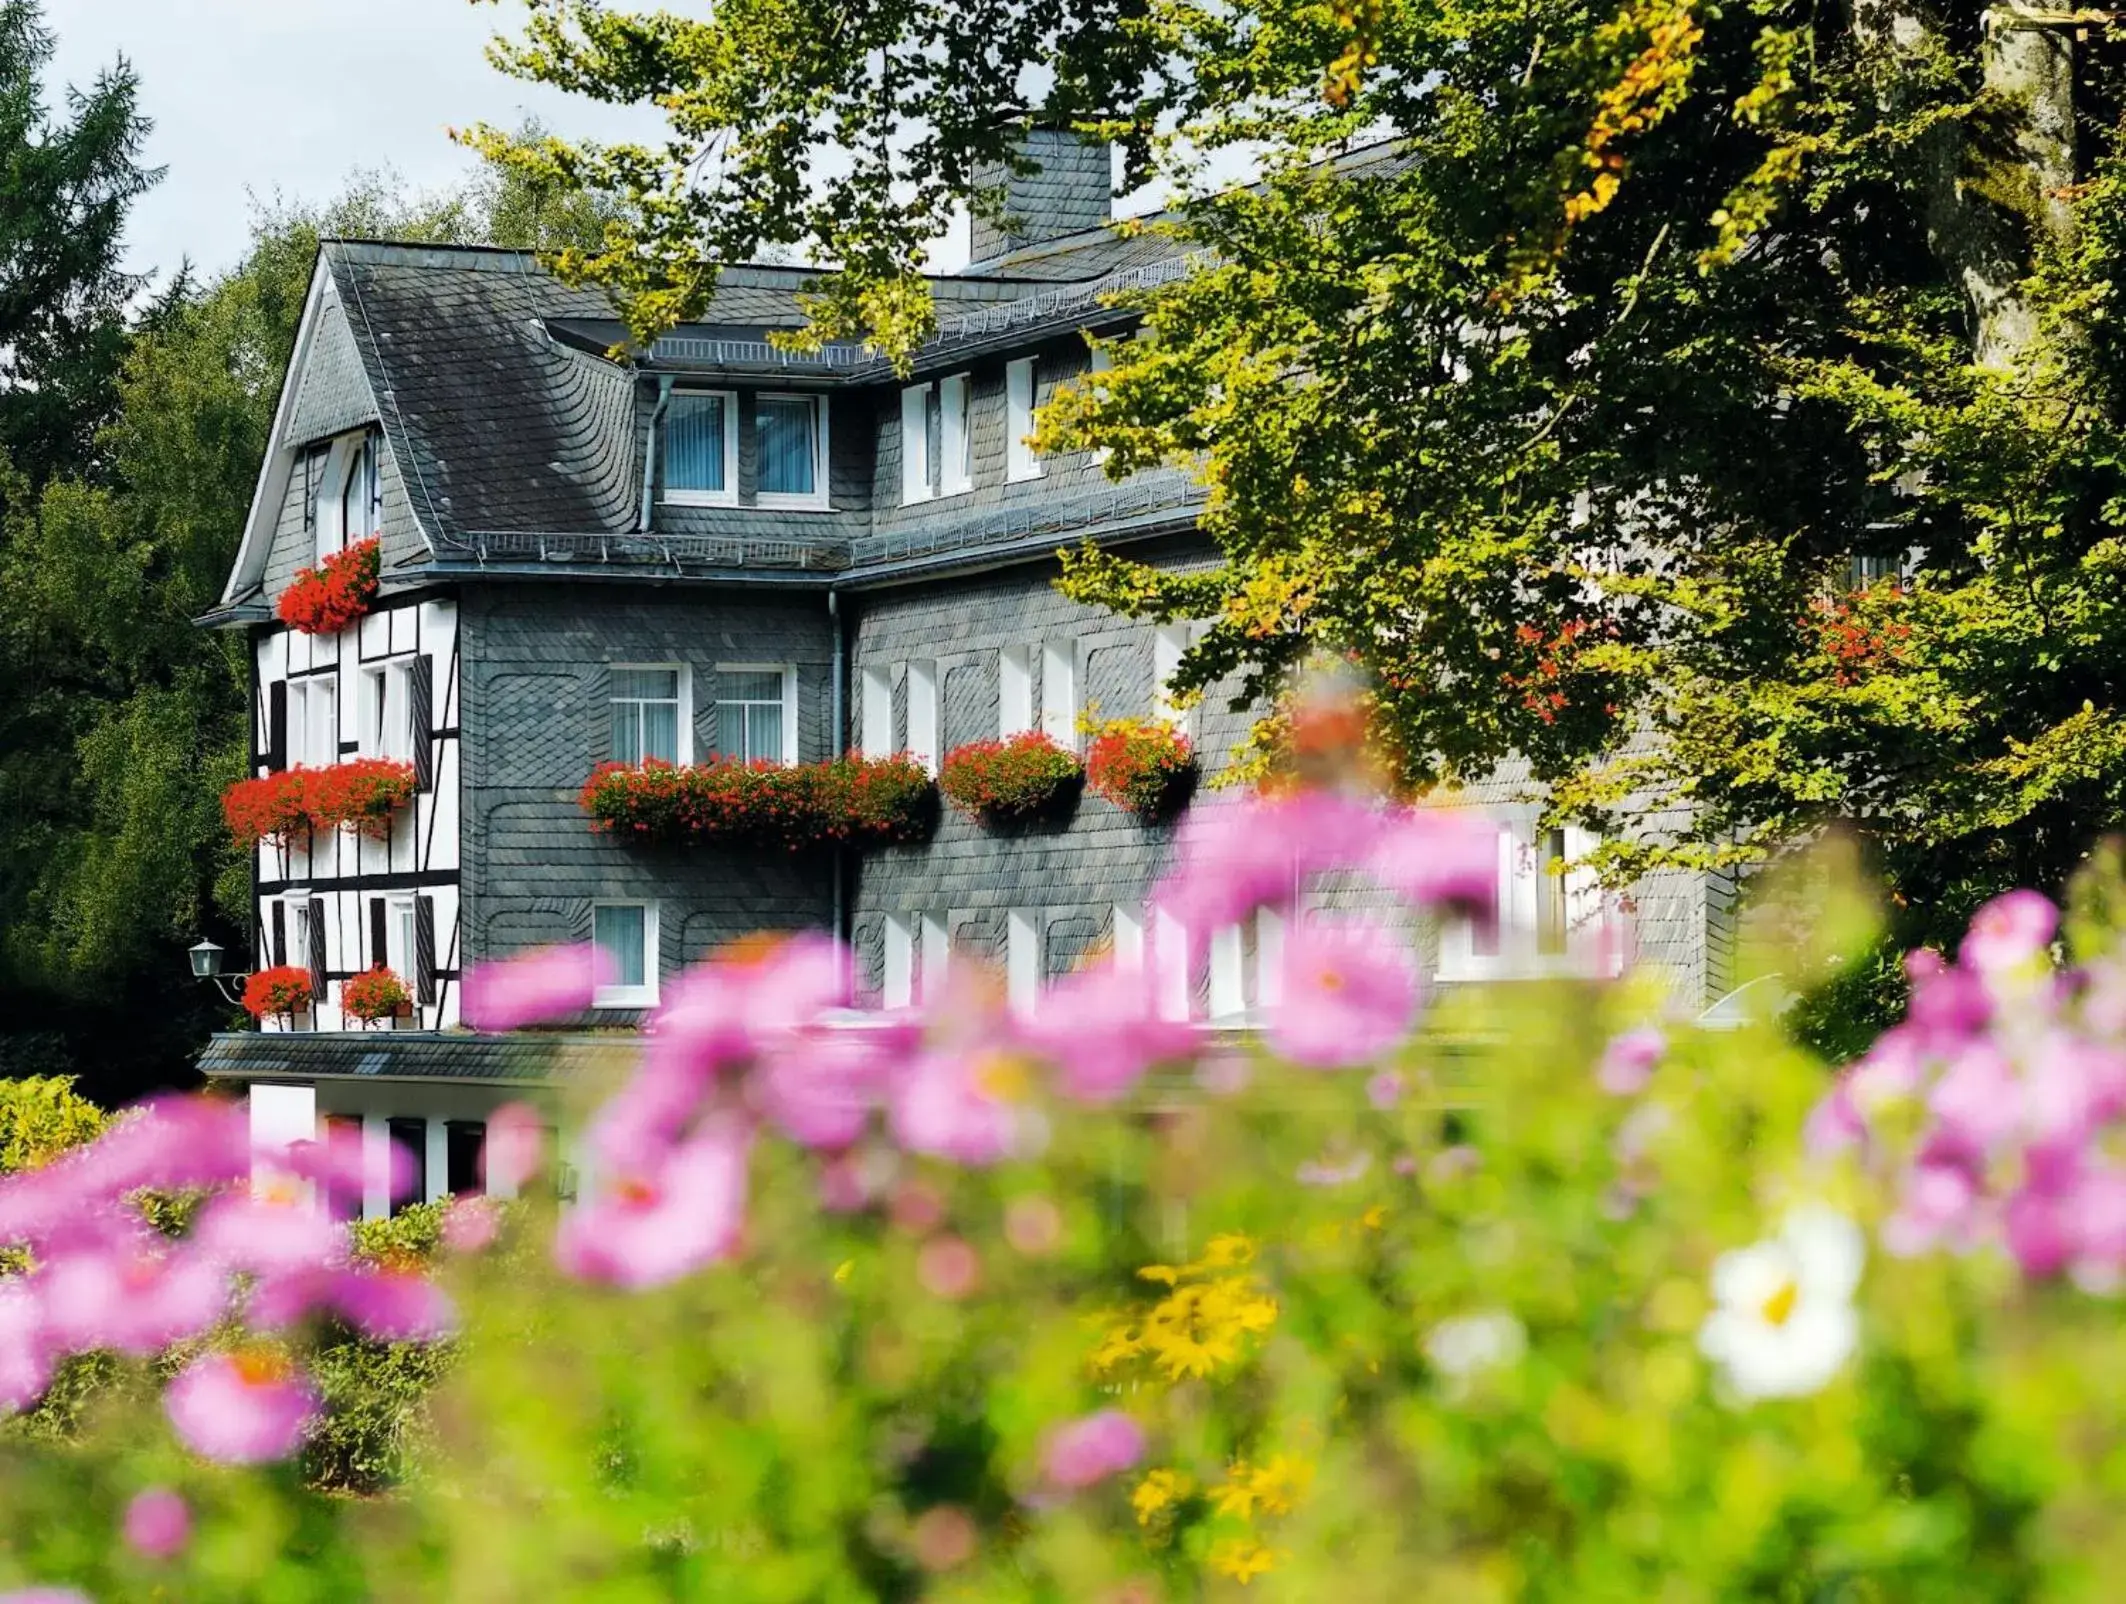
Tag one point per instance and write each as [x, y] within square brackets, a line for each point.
[723, 548]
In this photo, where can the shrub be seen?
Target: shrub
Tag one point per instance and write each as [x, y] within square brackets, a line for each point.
[279, 990]
[1010, 781]
[859, 802]
[363, 792]
[326, 599]
[1148, 769]
[40, 1117]
[375, 994]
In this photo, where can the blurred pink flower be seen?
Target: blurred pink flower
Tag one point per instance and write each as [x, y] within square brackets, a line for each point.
[514, 1149]
[1101, 1029]
[729, 1010]
[1938, 1206]
[25, 1351]
[1627, 1065]
[2099, 1223]
[948, 1268]
[1947, 1004]
[243, 1408]
[470, 1224]
[819, 1089]
[1976, 1103]
[275, 1228]
[550, 983]
[1350, 994]
[174, 1143]
[1333, 1172]
[2009, 932]
[644, 1229]
[1441, 857]
[1385, 1089]
[958, 1105]
[131, 1297]
[1834, 1125]
[158, 1523]
[2039, 1229]
[46, 1595]
[1091, 1449]
[391, 1305]
[1236, 854]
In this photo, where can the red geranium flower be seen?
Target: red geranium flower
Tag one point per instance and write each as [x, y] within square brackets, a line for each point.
[326, 599]
[1145, 768]
[852, 801]
[374, 994]
[280, 990]
[1008, 781]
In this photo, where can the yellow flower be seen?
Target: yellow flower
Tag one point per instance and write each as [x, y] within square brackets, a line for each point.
[1281, 1483]
[1228, 1252]
[1243, 1559]
[1118, 1344]
[1160, 1490]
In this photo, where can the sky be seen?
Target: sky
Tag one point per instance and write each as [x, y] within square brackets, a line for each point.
[291, 96]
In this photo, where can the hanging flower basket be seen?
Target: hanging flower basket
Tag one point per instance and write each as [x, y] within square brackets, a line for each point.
[1147, 769]
[282, 990]
[1013, 781]
[324, 600]
[374, 994]
[858, 802]
[363, 793]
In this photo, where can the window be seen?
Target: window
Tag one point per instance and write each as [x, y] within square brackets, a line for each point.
[1014, 691]
[1552, 917]
[1172, 971]
[399, 939]
[1059, 692]
[790, 446]
[1551, 924]
[387, 710]
[756, 713]
[647, 708]
[923, 714]
[1170, 642]
[1228, 978]
[937, 955]
[898, 990]
[464, 1154]
[1022, 961]
[410, 1136]
[701, 449]
[1102, 362]
[344, 490]
[313, 721]
[876, 713]
[1128, 939]
[918, 408]
[1021, 461]
[954, 473]
[627, 932]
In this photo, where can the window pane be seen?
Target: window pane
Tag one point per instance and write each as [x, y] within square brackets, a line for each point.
[354, 497]
[660, 731]
[752, 687]
[693, 443]
[788, 429]
[619, 932]
[646, 684]
[764, 732]
[627, 732]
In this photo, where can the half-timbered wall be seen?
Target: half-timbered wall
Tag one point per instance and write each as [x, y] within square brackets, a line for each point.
[392, 899]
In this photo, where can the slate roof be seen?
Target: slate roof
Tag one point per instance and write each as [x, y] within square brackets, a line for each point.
[527, 1059]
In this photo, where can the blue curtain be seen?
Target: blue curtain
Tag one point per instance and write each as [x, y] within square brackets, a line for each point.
[694, 443]
[788, 437]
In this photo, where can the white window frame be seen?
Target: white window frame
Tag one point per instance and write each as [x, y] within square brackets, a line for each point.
[925, 716]
[1520, 890]
[935, 953]
[313, 720]
[1014, 691]
[875, 712]
[1227, 999]
[387, 709]
[644, 995]
[1101, 362]
[728, 495]
[1022, 960]
[399, 938]
[328, 515]
[684, 745]
[955, 467]
[304, 906]
[916, 485]
[897, 984]
[1021, 386]
[788, 671]
[1170, 643]
[1127, 941]
[820, 500]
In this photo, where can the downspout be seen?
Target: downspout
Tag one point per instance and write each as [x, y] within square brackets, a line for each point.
[840, 748]
[649, 450]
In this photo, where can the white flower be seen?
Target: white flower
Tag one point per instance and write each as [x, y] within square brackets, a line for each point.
[1785, 1324]
[1461, 1347]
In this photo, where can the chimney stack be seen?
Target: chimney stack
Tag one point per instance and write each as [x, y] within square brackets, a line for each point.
[1071, 191]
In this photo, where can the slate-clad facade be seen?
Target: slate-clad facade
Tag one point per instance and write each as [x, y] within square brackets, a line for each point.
[583, 559]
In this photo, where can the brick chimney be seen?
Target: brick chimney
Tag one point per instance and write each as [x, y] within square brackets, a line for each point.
[1072, 190]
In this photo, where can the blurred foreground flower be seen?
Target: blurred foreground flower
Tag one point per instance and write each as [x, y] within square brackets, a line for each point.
[243, 1408]
[1785, 1322]
[1092, 1449]
[535, 988]
[158, 1523]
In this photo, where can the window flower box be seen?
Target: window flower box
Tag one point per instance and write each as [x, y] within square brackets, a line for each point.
[375, 994]
[283, 990]
[326, 599]
[1146, 769]
[1013, 781]
[363, 793]
[856, 802]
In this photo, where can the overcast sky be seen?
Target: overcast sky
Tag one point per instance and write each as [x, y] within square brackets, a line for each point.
[254, 96]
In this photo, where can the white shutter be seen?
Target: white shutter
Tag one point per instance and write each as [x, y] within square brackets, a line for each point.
[955, 468]
[915, 444]
[1014, 691]
[1021, 460]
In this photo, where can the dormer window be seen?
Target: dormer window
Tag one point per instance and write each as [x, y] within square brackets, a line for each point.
[346, 501]
[701, 449]
[790, 450]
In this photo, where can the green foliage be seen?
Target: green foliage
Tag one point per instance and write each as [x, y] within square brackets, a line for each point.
[40, 1118]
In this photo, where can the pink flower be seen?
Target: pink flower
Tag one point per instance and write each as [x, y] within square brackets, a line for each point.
[1938, 1206]
[1834, 1125]
[471, 1224]
[1976, 1104]
[275, 1230]
[1628, 1061]
[175, 1143]
[948, 1268]
[1385, 1089]
[647, 1228]
[383, 1305]
[1350, 994]
[1333, 1172]
[819, 1089]
[1236, 855]
[2099, 1224]
[46, 1595]
[131, 1297]
[25, 1350]
[2039, 1228]
[1101, 1029]
[1091, 1449]
[1948, 1005]
[515, 1147]
[245, 1408]
[1441, 857]
[958, 1106]
[2009, 932]
[551, 983]
[158, 1523]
